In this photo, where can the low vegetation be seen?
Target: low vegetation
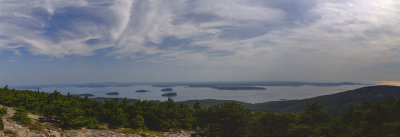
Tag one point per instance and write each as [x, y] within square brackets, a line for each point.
[10, 133]
[21, 116]
[372, 118]
[3, 111]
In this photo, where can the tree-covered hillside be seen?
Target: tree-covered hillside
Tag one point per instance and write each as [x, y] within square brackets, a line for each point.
[334, 103]
[228, 119]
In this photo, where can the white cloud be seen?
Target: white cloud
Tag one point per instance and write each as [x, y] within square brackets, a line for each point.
[341, 33]
[122, 8]
[60, 49]
[238, 11]
[137, 23]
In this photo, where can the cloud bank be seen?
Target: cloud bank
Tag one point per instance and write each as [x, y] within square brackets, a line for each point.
[270, 36]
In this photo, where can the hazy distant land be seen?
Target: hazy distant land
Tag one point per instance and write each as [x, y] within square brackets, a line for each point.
[194, 84]
[238, 88]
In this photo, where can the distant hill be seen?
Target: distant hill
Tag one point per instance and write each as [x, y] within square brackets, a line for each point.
[334, 103]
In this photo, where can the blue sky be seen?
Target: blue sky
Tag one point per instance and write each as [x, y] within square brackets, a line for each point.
[54, 41]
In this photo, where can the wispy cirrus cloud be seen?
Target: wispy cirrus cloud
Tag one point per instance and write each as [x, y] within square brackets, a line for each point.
[127, 26]
[269, 35]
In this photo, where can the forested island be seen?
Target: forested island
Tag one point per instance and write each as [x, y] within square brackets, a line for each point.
[112, 93]
[84, 95]
[167, 89]
[171, 94]
[370, 118]
[142, 91]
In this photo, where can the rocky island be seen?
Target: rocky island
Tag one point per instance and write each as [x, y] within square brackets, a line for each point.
[84, 95]
[112, 93]
[142, 90]
[171, 94]
[167, 89]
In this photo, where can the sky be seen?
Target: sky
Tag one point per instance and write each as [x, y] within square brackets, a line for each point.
[84, 41]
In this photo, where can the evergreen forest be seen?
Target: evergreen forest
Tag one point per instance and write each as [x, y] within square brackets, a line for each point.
[371, 118]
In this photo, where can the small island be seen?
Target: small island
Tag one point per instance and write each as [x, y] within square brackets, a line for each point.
[142, 90]
[84, 95]
[237, 88]
[112, 93]
[171, 94]
[167, 89]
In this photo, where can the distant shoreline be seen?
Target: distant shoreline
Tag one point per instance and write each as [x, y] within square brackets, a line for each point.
[238, 88]
[191, 84]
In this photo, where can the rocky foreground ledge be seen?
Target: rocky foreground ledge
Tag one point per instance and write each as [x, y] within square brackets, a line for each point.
[13, 129]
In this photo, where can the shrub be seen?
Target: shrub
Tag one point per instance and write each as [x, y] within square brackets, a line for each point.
[3, 111]
[21, 116]
[36, 126]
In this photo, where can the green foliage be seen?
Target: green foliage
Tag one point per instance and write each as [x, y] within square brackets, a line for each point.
[112, 114]
[314, 115]
[300, 130]
[197, 106]
[3, 111]
[312, 122]
[5, 88]
[228, 119]
[36, 126]
[72, 112]
[138, 123]
[268, 123]
[318, 120]
[1, 124]
[373, 118]
[21, 116]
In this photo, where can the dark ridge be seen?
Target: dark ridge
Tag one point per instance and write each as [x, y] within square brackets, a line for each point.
[334, 103]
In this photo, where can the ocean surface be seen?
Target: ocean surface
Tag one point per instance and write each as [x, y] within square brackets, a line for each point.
[272, 93]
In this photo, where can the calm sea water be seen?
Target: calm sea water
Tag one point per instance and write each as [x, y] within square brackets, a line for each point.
[273, 93]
